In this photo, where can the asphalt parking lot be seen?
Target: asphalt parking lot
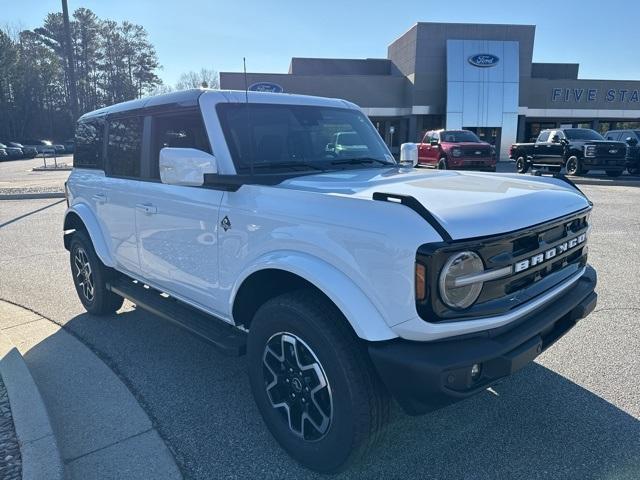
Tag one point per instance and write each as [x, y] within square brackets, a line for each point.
[574, 413]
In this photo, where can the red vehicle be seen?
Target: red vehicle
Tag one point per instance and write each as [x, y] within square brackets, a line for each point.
[456, 150]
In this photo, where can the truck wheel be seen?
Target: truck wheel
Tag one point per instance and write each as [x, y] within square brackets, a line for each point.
[313, 381]
[574, 166]
[442, 164]
[90, 277]
[614, 173]
[521, 165]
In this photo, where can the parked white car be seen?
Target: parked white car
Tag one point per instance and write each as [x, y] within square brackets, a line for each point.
[345, 277]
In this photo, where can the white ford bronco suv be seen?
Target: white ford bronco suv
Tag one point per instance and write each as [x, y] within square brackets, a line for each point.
[348, 279]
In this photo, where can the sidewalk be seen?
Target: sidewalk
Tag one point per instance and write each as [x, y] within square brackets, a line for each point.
[100, 429]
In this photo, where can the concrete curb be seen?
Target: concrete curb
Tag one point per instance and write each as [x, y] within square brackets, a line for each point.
[38, 445]
[603, 182]
[31, 196]
[52, 169]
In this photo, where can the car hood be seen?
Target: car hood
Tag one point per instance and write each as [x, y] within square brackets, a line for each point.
[467, 204]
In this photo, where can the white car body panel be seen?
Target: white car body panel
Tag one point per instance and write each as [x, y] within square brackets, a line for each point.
[326, 228]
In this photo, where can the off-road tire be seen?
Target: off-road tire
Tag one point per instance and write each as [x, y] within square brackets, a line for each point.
[101, 301]
[521, 165]
[359, 402]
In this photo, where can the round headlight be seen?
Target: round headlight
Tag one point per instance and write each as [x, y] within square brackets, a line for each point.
[460, 265]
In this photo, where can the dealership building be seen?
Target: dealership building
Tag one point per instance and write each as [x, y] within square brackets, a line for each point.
[448, 75]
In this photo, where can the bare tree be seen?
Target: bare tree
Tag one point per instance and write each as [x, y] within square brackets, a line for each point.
[205, 78]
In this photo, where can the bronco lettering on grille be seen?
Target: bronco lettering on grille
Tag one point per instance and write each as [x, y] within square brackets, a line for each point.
[549, 254]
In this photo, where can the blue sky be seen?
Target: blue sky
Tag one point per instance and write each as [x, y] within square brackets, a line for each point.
[604, 37]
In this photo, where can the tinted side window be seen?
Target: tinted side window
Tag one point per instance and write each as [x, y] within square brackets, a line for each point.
[612, 136]
[182, 130]
[124, 146]
[88, 151]
[544, 136]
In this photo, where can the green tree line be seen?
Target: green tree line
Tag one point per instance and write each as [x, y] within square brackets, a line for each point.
[113, 62]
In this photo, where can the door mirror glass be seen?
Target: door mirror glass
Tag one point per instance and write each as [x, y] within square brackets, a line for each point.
[434, 142]
[631, 141]
[555, 138]
[185, 166]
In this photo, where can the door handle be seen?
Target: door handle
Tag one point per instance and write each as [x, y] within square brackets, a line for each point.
[146, 208]
[99, 198]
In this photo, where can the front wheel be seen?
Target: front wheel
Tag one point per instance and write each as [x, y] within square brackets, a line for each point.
[313, 381]
[90, 277]
[574, 166]
[521, 165]
[442, 164]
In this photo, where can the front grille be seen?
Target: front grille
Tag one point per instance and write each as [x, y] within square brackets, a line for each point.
[611, 151]
[502, 295]
[469, 151]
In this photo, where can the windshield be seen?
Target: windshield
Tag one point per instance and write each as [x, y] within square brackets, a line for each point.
[582, 134]
[299, 137]
[458, 136]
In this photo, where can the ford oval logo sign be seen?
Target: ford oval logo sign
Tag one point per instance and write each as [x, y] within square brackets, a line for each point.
[266, 87]
[483, 60]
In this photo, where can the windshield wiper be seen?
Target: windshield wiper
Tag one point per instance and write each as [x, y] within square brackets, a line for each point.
[360, 160]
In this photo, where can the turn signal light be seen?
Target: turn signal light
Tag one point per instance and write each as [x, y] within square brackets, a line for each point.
[420, 280]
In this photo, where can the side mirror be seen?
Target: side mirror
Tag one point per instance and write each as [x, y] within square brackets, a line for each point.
[632, 142]
[330, 147]
[408, 155]
[434, 143]
[185, 166]
[555, 138]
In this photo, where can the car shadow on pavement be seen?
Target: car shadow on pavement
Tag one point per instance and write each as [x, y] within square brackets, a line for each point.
[536, 424]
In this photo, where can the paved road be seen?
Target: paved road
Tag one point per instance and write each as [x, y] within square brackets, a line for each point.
[572, 414]
[17, 175]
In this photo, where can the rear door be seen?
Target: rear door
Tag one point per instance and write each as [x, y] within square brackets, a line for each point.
[115, 203]
[542, 152]
[178, 225]
[423, 147]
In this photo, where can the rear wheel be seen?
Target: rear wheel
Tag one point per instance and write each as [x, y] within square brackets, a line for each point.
[90, 277]
[614, 173]
[521, 165]
[313, 381]
[442, 164]
[574, 166]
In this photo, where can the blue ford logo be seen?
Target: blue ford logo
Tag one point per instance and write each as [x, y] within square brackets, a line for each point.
[483, 60]
[266, 87]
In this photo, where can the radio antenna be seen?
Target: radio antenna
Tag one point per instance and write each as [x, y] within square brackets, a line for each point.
[246, 101]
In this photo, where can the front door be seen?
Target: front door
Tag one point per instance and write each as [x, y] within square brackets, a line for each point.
[178, 225]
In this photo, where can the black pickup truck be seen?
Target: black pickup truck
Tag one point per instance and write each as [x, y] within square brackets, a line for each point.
[577, 149]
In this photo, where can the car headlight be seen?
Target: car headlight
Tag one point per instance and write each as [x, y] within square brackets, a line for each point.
[590, 151]
[460, 294]
[456, 152]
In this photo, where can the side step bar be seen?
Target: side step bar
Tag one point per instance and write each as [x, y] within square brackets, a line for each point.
[226, 338]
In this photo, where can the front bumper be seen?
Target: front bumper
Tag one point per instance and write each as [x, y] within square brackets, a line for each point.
[426, 376]
[472, 163]
[604, 163]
